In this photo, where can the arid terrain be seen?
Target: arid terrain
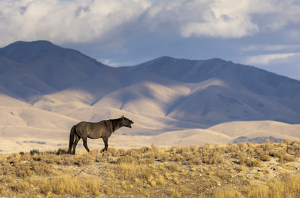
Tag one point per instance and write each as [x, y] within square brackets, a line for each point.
[46, 89]
[232, 170]
[203, 128]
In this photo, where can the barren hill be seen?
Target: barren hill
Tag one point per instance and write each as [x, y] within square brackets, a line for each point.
[221, 91]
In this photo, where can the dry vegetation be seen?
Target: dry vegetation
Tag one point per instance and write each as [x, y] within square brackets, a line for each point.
[232, 170]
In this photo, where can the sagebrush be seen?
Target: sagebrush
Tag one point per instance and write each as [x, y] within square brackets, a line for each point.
[232, 170]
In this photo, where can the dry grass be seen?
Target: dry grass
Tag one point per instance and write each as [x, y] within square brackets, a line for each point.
[241, 170]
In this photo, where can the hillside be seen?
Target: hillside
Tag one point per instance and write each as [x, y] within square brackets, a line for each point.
[220, 171]
[222, 91]
[46, 89]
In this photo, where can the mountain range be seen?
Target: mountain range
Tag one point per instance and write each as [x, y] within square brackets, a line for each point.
[45, 89]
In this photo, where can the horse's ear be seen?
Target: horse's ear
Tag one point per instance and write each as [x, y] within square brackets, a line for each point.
[122, 116]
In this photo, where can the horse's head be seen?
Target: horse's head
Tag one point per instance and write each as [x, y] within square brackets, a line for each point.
[126, 122]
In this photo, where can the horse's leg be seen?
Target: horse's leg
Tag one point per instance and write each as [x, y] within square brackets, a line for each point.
[105, 140]
[77, 138]
[85, 144]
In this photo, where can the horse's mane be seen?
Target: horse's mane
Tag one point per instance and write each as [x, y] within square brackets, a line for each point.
[114, 119]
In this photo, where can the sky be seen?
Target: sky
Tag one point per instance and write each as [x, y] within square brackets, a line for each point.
[261, 33]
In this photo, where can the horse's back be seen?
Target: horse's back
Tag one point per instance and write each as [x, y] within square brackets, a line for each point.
[92, 130]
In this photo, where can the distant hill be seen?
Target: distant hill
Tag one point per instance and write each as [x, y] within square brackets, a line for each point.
[221, 91]
[45, 89]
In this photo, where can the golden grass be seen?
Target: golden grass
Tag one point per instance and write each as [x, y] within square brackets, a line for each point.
[68, 185]
[241, 170]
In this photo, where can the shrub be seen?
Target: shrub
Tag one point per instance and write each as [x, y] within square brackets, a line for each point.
[194, 161]
[125, 159]
[176, 157]
[67, 160]
[59, 189]
[240, 168]
[61, 152]
[127, 171]
[99, 158]
[7, 179]
[287, 142]
[154, 148]
[120, 152]
[73, 186]
[20, 187]
[2, 190]
[84, 160]
[173, 167]
[160, 180]
[23, 172]
[41, 168]
[265, 158]
[34, 151]
[193, 148]
[153, 183]
[147, 161]
[241, 146]
[227, 193]
[144, 149]
[242, 158]
[213, 159]
[112, 151]
[46, 188]
[148, 175]
[253, 163]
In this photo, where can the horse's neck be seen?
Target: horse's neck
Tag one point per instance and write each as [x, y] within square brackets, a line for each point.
[116, 124]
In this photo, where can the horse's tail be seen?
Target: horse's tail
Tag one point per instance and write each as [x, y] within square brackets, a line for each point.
[71, 140]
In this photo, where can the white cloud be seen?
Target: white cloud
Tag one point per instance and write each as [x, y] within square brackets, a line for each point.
[270, 58]
[223, 18]
[271, 47]
[103, 21]
[109, 62]
[65, 21]
[226, 19]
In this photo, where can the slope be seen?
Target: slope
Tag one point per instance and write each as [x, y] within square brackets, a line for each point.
[41, 68]
[223, 91]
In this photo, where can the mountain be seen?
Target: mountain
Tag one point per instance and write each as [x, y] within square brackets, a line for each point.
[221, 91]
[39, 68]
[45, 89]
[256, 80]
[27, 52]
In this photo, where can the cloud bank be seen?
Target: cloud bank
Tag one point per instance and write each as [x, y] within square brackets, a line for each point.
[88, 20]
[65, 21]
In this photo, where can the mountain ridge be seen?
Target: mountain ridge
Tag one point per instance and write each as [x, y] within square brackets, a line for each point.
[197, 68]
[26, 52]
[278, 88]
[41, 75]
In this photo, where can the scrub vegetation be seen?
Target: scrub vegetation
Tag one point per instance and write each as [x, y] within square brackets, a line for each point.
[232, 170]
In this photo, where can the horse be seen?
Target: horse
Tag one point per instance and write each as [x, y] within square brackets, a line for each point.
[102, 129]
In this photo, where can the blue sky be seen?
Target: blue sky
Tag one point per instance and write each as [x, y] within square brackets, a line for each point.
[262, 33]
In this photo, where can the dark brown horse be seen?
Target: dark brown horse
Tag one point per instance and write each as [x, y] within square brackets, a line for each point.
[102, 129]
